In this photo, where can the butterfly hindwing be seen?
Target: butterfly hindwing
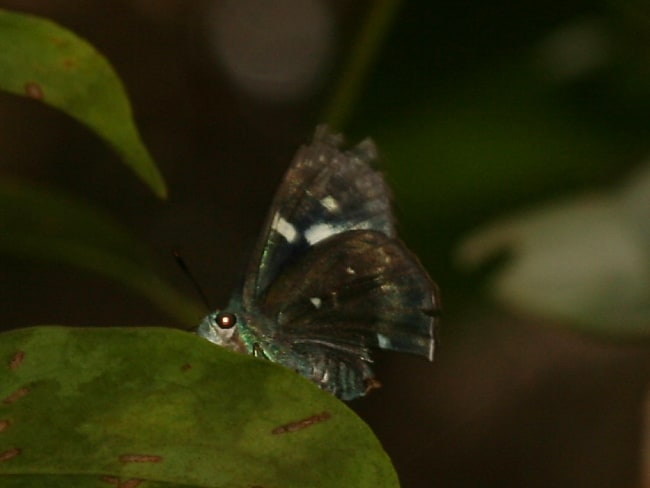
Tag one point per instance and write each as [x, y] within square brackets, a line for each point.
[326, 191]
[353, 291]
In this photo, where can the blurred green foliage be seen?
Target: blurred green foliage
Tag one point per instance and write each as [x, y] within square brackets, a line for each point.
[558, 110]
[46, 62]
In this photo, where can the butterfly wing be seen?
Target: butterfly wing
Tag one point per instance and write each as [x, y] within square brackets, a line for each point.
[353, 291]
[326, 191]
[329, 280]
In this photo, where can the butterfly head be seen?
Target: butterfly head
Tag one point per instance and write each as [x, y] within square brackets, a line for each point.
[221, 327]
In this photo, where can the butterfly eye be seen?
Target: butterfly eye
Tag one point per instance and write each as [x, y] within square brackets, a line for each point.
[225, 320]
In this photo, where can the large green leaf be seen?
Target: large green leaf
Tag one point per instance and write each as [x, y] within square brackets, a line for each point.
[89, 407]
[41, 60]
[47, 225]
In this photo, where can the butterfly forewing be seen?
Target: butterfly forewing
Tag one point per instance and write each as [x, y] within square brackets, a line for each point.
[326, 191]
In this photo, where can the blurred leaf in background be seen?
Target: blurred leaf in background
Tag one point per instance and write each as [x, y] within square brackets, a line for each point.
[48, 226]
[44, 61]
[585, 262]
[462, 143]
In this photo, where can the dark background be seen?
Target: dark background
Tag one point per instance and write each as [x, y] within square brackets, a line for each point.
[499, 105]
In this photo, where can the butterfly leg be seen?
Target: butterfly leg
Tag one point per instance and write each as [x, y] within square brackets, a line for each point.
[258, 352]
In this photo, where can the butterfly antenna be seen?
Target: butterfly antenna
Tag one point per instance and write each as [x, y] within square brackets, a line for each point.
[181, 263]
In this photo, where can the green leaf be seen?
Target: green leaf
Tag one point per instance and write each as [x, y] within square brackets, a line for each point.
[46, 225]
[43, 61]
[584, 261]
[89, 407]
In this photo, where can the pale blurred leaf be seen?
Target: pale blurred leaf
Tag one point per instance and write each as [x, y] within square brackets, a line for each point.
[585, 261]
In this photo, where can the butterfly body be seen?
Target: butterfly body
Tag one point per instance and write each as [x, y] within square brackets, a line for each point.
[329, 280]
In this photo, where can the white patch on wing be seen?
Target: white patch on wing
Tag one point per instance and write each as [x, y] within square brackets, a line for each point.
[383, 341]
[316, 302]
[330, 203]
[284, 228]
[320, 232]
[326, 377]
[386, 287]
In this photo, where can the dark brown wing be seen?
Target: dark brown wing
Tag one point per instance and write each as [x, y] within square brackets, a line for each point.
[326, 191]
[354, 291]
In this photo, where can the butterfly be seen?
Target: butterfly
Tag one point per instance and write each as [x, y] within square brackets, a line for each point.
[329, 280]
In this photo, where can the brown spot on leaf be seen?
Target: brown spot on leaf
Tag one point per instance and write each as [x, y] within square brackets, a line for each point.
[132, 483]
[4, 424]
[301, 424]
[186, 367]
[11, 453]
[16, 395]
[69, 63]
[140, 458]
[33, 90]
[57, 41]
[17, 360]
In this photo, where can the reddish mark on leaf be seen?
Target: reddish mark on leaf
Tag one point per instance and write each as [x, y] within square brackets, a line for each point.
[16, 395]
[17, 360]
[132, 483]
[140, 458]
[33, 90]
[58, 41]
[301, 424]
[4, 424]
[69, 63]
[11, 453]
[186, 367]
